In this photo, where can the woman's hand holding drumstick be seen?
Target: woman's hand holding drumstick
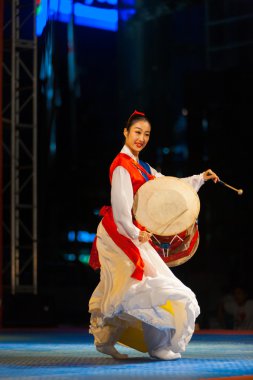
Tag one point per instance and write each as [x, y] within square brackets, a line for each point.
[209, 174]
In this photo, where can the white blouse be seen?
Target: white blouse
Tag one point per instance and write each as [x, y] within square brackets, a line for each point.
[122, 196]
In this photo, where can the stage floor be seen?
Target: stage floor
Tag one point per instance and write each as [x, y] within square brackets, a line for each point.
[70, 354]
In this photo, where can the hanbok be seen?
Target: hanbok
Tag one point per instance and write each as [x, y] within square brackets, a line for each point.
[157, 305]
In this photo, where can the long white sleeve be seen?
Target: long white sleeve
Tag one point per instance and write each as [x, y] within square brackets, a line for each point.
[155, 172]
[122, 202]
[196, 181]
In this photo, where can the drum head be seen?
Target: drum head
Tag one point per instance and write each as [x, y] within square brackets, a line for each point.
[166, 206]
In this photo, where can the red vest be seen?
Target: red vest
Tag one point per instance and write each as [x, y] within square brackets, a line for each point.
[126, 244]
[133, 168]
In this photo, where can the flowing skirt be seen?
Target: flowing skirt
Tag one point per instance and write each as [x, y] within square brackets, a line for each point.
[160, 303]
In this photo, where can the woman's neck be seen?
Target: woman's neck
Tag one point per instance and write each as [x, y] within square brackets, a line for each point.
[135, 154]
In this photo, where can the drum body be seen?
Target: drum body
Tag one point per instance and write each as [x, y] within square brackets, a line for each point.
[168, 207]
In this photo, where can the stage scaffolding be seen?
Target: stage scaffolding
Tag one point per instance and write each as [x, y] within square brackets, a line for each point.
[19, 114]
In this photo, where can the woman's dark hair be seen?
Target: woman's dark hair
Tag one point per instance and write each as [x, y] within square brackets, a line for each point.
[135, 117]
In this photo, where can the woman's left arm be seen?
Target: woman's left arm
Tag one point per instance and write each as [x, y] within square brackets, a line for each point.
[155, 172]
[197, 180]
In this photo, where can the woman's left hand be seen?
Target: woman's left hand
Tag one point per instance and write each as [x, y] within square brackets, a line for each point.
[144, 236]
[209, 174]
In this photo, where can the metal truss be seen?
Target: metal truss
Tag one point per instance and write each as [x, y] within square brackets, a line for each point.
[228, 30]
[20, 146]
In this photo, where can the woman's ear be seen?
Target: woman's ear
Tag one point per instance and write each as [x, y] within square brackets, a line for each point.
[125, 132]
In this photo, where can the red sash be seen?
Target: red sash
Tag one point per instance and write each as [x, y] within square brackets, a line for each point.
[124, 243]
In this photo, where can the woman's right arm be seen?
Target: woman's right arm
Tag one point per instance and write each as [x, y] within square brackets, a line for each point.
[122, 203]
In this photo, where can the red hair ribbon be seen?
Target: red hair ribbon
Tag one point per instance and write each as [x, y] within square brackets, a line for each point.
[137, 113]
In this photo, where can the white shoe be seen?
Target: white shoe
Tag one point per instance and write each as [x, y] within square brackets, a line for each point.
[164, 354]
[111, 350]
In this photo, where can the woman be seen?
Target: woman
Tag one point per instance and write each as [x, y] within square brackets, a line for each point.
[135, 284]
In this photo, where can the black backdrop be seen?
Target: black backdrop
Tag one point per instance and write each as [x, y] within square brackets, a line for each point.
[160, 72]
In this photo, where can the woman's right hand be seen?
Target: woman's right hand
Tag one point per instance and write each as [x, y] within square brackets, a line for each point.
[209, 174]
[144, 236]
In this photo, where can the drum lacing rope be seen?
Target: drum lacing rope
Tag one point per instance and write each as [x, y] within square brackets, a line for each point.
[168, 244]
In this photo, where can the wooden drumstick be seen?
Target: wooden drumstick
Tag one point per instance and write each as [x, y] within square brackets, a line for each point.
[238, 191]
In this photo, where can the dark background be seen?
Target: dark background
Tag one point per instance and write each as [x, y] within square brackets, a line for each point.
[165, 60]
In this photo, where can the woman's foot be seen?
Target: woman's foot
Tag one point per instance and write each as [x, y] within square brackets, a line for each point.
[111, 350]
[164, 354]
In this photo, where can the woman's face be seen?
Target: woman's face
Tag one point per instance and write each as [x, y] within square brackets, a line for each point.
[138, 136]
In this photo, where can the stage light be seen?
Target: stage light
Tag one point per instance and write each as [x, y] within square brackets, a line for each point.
[71, 236]
[85, 14]
[69, 257]
[166, 150]
[84, 258]
[100, 18]
[41, 17]
[53, 147]
[85, 237]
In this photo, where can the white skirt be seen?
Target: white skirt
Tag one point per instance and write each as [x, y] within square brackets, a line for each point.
[118, 296]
